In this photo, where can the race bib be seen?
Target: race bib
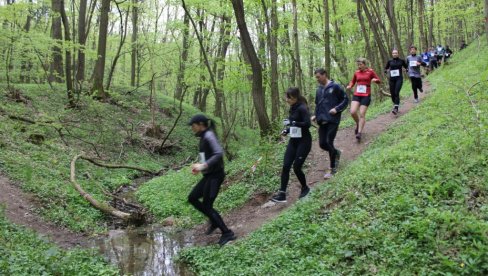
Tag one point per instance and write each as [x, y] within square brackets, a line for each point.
[361, 89]
[395, 73]
[413, 63]
[295, 132]
[201, 157]
[432, 54]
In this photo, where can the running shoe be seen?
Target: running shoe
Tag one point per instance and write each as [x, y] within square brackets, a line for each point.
[280, 196]
[304, 192]
[227, 237]
[394, 111]
[416, 101]
[330, 173]
[358, 136]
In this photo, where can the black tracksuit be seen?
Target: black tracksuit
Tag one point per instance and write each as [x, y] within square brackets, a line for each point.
[397, 81]
[213, 177]
[328, 97]
[298, 148]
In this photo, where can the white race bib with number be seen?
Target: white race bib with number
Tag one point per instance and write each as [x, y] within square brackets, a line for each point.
[362, 89]
[413, 63]
[295, 132]
[201, 157]
[395, 73]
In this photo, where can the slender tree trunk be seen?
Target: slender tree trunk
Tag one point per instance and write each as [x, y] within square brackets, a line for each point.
[298, 71]
[341, 57]
[80, 71]
[56, 68]
[486, 19]
[372, 24]
[26, 65]
[257, 84]
[220, 109]
[431, 24]
[123, 35]
[99, 70]
[134, 53]
[423, 36]
[67, 38]
[390, 12]
[327, 35]
[289, 50]
[180, 79]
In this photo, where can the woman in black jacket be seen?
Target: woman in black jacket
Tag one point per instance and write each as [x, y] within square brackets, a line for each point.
[394, 70]
[211, 165]
[299, 145]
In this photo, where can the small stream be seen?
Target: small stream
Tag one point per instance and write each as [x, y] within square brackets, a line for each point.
[147, 250]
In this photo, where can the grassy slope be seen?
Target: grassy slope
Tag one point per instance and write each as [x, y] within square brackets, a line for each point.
[414, 203]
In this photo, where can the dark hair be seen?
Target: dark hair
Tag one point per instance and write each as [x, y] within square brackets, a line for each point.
[294, 92]
[413, 47]
[203, 120]
[321, 71]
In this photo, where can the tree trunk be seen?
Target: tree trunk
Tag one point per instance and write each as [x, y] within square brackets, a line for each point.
[288, 49]
[26, 65]
[390, 12]
[431, 24]
[180, 79]
[273, 52]
[80, 71]
[123, 35]
[340, 55]
[372, 24]
[486, 19]
[327, 35]
[298, 71]
[133, 64]
[56, 68]
[67, 38]
[220, 109]
[98, 73]
[257, 83]
[423, 36]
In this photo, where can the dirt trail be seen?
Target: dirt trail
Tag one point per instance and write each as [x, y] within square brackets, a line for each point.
[260, 210]
[20, 207]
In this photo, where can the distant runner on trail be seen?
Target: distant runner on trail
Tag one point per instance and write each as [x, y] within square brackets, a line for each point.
[361, 99]
[414, 62]
[394, 71]
[433, 58]
[211, 165]
[300, 143]
[330, 101]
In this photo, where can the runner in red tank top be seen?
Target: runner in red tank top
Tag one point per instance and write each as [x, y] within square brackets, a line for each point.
[361, 99]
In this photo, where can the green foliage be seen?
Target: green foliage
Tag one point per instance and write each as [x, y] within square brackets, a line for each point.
[22, 252]
[413, 203]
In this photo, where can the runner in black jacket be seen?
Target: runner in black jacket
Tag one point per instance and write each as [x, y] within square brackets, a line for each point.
[330, 101]
[299, 145]
[393, 69]
[211, 165]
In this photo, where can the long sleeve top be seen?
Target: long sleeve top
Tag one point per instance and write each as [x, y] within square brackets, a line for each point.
[395, 67]
[213, 154]
[362, 80]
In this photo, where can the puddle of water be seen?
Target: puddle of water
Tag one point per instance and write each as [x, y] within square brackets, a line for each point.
[146, 250]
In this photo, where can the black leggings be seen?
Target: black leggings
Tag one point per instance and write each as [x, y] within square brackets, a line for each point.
[295, 154]
[208, 188]
[327, 134]
[416, 84]
[395, 87]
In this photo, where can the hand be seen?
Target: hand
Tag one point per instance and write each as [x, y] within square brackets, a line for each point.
[418, 63]
[313, 118]
[333, 111]
[349, 87]
[284, 132]
[375, 80]
[198, 167]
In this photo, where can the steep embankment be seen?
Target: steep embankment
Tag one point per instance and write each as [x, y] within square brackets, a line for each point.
[415, 202]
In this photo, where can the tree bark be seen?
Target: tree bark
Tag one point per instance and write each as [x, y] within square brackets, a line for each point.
[133, 64]
[423, 36]
[290, 51]
[56, 68]
[296, 45]
[327, 35]
[67, 38]
[379, 41]
[220, 108]
[180, 79]
[99, 70]
[390, 12]
[431, 25]
[257, 83]
[123, 35]
[80, 71]
[486, 19]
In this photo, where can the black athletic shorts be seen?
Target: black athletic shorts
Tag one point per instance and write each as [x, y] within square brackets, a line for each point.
[363, 100]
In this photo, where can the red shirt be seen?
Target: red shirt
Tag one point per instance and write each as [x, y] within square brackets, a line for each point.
[362, 79]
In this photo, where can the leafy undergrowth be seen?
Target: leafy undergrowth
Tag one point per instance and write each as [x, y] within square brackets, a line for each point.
[22, 252]
[37, 156]
[416, 202]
